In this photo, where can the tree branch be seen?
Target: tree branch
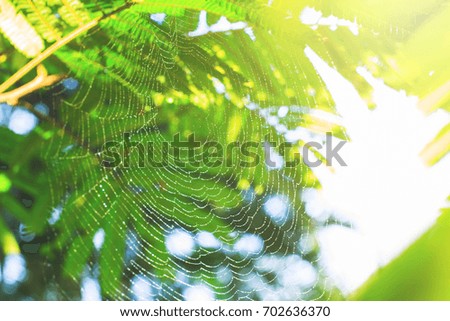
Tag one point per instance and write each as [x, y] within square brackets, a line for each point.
[57, 45]
[41, 80]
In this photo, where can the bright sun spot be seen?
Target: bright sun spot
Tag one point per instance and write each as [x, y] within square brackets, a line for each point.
[387, 193]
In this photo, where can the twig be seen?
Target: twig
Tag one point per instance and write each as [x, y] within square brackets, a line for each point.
[57, 45]
[41, 80]
[431, 102]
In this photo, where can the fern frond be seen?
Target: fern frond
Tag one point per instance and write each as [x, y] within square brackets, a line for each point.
[42, 17]
[18, 31]
[73, 13]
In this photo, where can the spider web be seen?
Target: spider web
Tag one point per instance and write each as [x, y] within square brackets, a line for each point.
[195, 232]
[176, 233]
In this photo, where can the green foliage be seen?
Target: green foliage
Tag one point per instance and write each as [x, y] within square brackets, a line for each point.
[154, 80]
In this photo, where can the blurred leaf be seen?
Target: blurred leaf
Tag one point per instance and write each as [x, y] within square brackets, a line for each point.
[7, 240]
[420, 273]
[438, 148]
[112, 256]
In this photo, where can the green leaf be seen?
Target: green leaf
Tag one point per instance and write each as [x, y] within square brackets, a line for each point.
[78, 254]
[7, 240]
[112, 253]
[420, 273]
[5, 183]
